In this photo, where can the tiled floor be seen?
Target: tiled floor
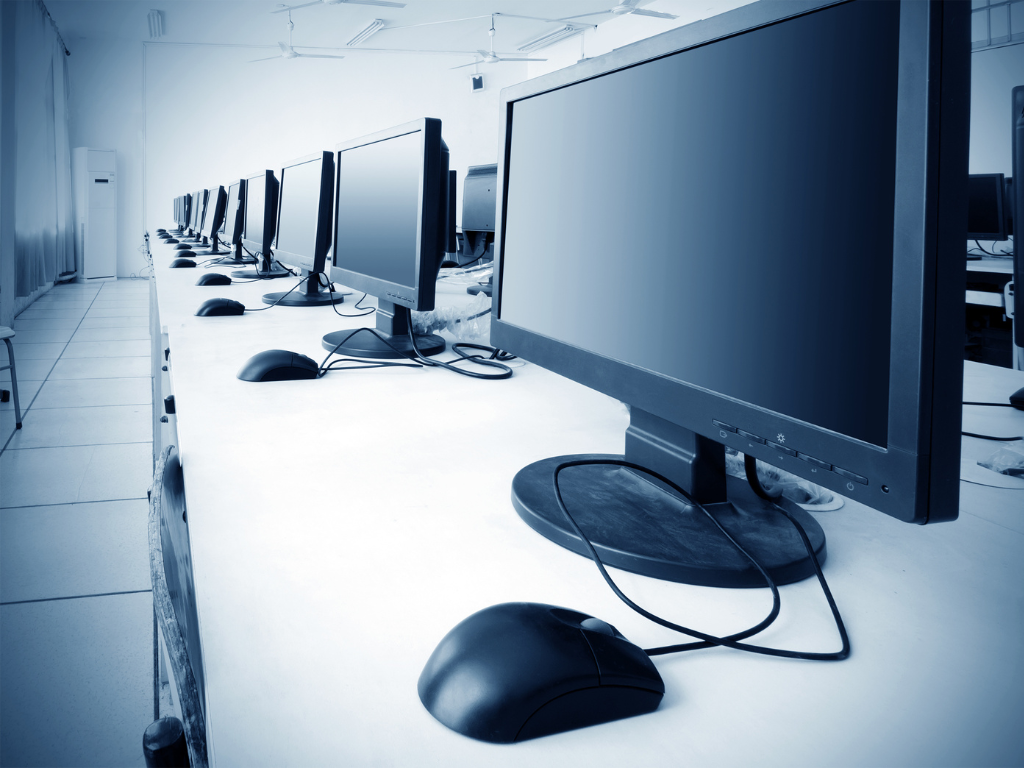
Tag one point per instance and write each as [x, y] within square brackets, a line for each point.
[78, 678]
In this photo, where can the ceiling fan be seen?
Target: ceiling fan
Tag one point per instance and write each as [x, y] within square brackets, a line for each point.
[490, 57]
[384, 3]
[623, 8]
[287, 52]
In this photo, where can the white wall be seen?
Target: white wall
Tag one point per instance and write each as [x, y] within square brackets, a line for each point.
[106, 112]
[994, 73]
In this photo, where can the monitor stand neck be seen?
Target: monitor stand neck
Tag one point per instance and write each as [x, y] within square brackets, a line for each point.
[393, 324]
[642, 525]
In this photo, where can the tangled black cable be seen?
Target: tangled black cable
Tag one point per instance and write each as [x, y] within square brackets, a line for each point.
[706, 640]
[493, 353]
[278, 299]
[506, 372]
[330, 288]
[324, 367]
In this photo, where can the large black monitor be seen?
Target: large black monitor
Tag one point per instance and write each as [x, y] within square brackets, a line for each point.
[304, 223]
[663, 237]
[986, 207]
[260, 223]
[390, 231]
[198, 210]
[234, 223]
[186, 211]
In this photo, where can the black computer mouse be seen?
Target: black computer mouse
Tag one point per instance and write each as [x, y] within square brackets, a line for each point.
[183, 247]
[517, 671]
[214, 278]
[216, 307]
[278, 365]
[172, 241]
[1017, 399]
[179, 263]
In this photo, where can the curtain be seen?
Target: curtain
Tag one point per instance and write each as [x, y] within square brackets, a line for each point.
[43, 214]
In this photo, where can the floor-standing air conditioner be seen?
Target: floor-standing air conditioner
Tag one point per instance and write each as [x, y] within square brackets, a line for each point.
[95, 184]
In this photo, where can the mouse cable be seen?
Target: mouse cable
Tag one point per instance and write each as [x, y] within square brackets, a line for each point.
[493, 353]
[993, 437]
[278, 299]
[324, 368]
[506, 372]
[710, 640]
[994, 405]
[330, 288]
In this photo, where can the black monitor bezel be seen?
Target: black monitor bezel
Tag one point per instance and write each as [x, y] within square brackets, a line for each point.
[1000, 186]
[264, 246]
[215, 201]
[430, 235]
[186, 213]
[915, 477]
[325, 218]
[198, 210]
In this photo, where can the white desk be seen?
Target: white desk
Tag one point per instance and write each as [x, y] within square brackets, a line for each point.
[341, 527]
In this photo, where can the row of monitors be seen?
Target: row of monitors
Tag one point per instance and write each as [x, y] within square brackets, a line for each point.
[383, 205]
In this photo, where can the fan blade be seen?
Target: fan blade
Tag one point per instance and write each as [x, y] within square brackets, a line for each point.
[317, 56]
[517, 59]
[466, 65]
[383, 3]
[293, 7]
[483, 53]
[654, 14]
[584, 15]
[285, 48]
[266, 59]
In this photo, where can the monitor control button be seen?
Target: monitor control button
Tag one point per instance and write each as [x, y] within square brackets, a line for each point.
[815, 462]
[723, 425]
[750, 436]
[850, 475]
[782, 448]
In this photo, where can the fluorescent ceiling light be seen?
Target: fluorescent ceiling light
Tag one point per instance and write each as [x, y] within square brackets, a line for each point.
[372, 28]
[551, 38]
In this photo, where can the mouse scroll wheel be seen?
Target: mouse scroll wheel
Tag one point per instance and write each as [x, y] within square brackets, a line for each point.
[596, 625]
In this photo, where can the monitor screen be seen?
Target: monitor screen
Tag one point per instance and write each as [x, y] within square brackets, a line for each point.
[231, 233]
[198, 209]
[260, 210]
[304, 212]
[985, 207]
[730, 258]
[214, 211]
[391, 217]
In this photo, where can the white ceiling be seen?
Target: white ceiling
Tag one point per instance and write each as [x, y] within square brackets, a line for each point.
[251, 23]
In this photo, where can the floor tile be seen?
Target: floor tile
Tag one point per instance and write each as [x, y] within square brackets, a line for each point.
[100, 425]
[105, 312]
[22, 323]
[35, 311]
[26, 369]
[27, 389]
[49, 351]
[79, 393]
[36, 476]
[70, 550]
[101, 368]
[78, 681]
[119, 321]
[62, 302]
[126, 348]
[42, 337]
[7, 425]
[126, 305]
[108, 334]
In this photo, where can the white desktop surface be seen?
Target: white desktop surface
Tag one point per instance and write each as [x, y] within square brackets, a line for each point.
[340, 527]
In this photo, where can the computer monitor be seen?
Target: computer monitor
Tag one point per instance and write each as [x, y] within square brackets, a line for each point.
[216, 200]
[198, 211]
[389, 233]
[1017, 218]
[186, 211]
[260, 225]
[234, 223]
[304, 223]
[479, 200]
[663, 238]
[986, 208]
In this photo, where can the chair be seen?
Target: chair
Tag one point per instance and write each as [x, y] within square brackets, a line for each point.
[7, 334]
